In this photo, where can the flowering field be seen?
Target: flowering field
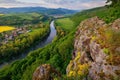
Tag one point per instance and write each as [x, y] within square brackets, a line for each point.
[1, 14]
[6, 28]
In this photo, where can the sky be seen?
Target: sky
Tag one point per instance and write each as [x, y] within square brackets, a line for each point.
[69, 4]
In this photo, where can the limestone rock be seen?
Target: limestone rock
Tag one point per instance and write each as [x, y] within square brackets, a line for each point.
[90, 48]
[44, 72]
[116, 24]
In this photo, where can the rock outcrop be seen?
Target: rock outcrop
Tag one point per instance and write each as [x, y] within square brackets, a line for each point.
[116, 24]
[96, 51]
[45, 72]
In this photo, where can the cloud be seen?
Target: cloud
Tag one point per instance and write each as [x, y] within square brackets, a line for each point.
[7, 1]
[70, 4]
[14, 3]
[77, 4]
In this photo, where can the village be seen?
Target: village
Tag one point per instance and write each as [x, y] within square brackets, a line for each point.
[11, 35]
[7, 36]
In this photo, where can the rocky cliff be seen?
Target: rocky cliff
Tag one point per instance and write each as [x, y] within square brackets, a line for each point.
[96, 52]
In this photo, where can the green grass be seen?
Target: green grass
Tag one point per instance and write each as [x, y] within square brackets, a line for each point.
[58, 53]
[108, 14]
[65, 23]
[34, 31]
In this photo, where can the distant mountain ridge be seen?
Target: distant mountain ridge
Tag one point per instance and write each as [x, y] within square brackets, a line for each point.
[48, 11]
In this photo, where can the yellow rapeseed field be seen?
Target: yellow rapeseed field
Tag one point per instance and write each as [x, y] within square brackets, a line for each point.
[1, 14]
[6, 28]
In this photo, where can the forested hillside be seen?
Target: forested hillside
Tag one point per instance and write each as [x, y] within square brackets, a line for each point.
[108, 14]
[43, 10]
[28, 30]
[64, 53]
[22, 19]
[58, 54]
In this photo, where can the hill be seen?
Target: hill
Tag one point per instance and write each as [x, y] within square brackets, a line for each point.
[22, 18]
[47, 11]
[108, 14]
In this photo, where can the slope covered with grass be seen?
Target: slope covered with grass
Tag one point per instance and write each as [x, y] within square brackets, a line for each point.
[22, 18]
[65, 23]
[108, 38]
[58, 54]
[108, 14]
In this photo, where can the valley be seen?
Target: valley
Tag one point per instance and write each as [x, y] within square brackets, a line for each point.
[40, 44]
[60, 44]
[14, 42]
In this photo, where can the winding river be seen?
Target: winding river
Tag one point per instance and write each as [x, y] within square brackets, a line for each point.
[39, 45]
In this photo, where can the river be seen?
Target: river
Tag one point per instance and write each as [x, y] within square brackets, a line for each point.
[39, 45]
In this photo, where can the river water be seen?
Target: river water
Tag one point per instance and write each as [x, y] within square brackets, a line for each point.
[39, 45]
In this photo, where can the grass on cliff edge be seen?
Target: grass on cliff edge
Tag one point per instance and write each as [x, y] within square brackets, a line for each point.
[108, 14]
[6, 28]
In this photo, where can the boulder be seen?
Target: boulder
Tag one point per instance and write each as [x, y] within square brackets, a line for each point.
[45, 72]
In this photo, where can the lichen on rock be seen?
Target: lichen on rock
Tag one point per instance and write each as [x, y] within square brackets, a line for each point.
[95, 49]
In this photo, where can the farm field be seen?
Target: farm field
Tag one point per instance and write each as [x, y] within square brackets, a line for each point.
[1, 14]
[6, 28]
[65, 23]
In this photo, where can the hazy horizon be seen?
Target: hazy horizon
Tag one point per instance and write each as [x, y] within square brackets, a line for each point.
[69, 4]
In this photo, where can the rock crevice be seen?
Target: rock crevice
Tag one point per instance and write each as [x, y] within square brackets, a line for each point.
[92, 48]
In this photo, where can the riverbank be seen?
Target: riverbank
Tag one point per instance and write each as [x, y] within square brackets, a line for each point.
[42, 42]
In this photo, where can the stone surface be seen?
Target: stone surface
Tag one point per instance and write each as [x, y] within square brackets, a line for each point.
[44, 72]
[91, 51]
[116, 24]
